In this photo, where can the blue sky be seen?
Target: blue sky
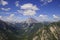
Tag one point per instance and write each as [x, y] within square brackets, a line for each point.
[17, 10]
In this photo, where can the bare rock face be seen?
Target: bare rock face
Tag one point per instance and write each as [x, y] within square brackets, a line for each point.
[55, 31]
[48, 33]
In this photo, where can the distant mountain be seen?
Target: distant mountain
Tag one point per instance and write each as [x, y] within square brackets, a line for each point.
[17, 31]
[31, 20]
[29, 30]
[8, 31]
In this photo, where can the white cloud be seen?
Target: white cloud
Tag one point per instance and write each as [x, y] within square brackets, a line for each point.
[29, 6]
[44, 2]
[5, 9]
[17, 3]
[56, 17]
[13, 18]
[29, 12]
[11, 15]
[47, 1]
[29, 9]
[0, 17]
[43, 16]
[4, 2]
[10, 18]
[20, 11]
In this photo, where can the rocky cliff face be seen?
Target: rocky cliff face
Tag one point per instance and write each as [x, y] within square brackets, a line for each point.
[48, 33]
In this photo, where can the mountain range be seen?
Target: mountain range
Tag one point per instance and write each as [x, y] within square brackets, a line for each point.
[30, 29]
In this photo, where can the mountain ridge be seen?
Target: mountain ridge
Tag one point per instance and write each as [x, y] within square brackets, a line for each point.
[33, 31]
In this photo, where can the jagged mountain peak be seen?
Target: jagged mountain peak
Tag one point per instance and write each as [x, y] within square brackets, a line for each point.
[31, 20]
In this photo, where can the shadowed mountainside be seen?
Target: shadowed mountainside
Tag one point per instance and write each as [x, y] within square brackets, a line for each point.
[34, 31]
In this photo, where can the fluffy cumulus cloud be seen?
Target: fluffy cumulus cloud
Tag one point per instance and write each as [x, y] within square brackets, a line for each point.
[44, 2]
[29, 6]
[10, 18]
[5, 9]
[29, 12]
[56, 18]
[43, 16]
[29, 9]
[17, 3]
[2, 2]
[0, 17]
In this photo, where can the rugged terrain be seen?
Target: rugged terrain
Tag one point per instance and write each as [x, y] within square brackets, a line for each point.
[29, 31]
